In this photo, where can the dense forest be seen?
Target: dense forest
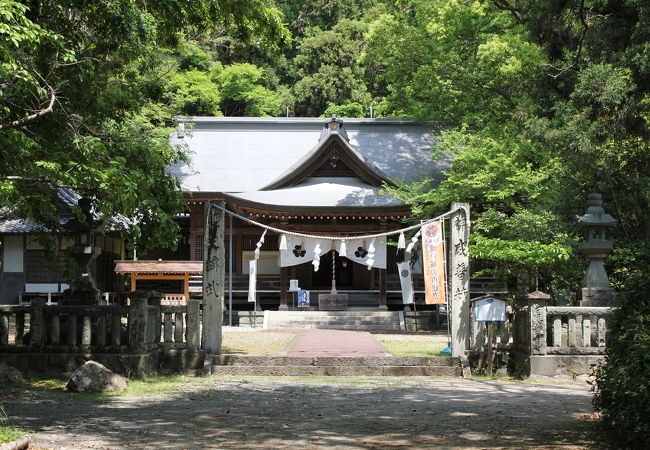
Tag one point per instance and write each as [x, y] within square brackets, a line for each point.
[539, 102]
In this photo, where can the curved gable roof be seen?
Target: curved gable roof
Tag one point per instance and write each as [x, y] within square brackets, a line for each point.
[334, 144]
[243, 154]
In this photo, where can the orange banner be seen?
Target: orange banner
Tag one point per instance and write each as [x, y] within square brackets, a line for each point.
[434, 263]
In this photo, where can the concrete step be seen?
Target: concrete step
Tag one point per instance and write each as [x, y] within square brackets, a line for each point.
[336, 371]
[361, 361]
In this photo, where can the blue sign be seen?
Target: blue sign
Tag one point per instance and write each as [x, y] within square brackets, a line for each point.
[303, 299]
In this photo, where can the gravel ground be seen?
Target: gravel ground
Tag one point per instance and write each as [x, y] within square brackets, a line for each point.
[356, 412]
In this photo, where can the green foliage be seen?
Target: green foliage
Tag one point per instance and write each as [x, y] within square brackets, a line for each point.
[243, 94]
[193, 93]
[87, 95]
[329, 71]
[622, 384]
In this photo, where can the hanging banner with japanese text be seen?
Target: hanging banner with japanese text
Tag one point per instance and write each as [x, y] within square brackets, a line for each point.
[433, 255]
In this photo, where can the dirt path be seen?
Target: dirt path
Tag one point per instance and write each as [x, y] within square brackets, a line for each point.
[310, 413]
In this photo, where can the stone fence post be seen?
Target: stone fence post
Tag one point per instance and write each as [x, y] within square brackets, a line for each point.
[138, 319]
[537, 311]
[37, 322]
[193, 332]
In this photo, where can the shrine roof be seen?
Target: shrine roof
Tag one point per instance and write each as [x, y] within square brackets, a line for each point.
[241, 155]
[155, 266]
[321, 194]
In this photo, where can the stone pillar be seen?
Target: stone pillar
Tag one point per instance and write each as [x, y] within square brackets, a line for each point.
[214, 268]
[537, 310]
[193, 330]
[459, 275]
[37, 321]
[138, 317]
[284, 284]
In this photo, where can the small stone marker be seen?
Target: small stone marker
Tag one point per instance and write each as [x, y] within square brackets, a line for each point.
[94, 377]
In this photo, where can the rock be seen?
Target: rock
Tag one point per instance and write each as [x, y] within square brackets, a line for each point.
[9, 375]
[94, 377]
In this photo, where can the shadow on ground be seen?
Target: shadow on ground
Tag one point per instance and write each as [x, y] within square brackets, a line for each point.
[359, 413]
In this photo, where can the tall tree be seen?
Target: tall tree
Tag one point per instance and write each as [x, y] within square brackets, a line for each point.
[74, 79]
[543, 103]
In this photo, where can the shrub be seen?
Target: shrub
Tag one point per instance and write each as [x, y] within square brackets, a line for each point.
[622, 384]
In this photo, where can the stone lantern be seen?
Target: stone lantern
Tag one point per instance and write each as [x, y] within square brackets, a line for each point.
[596, 290]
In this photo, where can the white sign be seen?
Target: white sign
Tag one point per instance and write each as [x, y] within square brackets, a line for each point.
[489, 310]
[293, 286]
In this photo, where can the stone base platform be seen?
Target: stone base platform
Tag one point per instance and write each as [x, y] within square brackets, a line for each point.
[563, 365]
[336, 366]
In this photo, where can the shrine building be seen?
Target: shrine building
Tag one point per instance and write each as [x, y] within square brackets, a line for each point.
[311, 175]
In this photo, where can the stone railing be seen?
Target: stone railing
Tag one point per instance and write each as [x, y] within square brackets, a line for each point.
[569, 330]
[181, 325]
[140, 327]
[15, 321]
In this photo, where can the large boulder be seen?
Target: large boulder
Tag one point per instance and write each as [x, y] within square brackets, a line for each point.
[94, 377]
[9, 375]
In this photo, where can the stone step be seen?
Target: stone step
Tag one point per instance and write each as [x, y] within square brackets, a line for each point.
[336, 371]
[361, 361]
[340, 321]
[334, 313]
[336, 320]
[336, 327]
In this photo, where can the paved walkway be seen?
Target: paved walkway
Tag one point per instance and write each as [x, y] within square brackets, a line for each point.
[335, 343]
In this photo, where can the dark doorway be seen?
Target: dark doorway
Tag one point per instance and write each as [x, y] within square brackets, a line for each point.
[322, 279]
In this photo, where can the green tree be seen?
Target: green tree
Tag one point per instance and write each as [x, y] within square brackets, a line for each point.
[80, 90]
[541, 106]
[329, 71]
[243, 94]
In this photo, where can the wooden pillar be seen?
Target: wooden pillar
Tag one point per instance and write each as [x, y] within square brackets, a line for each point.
[459, 273]
[186, 287]
[284, 283]
[214, 268]
[382, 290]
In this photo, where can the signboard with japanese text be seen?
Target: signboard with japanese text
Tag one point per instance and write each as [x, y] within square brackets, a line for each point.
[433, 255]
[489, 310]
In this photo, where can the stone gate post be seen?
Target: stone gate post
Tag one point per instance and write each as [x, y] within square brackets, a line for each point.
[459, 275]
[214, 270]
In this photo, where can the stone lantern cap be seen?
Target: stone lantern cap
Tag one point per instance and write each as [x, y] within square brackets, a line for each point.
[595, 215]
